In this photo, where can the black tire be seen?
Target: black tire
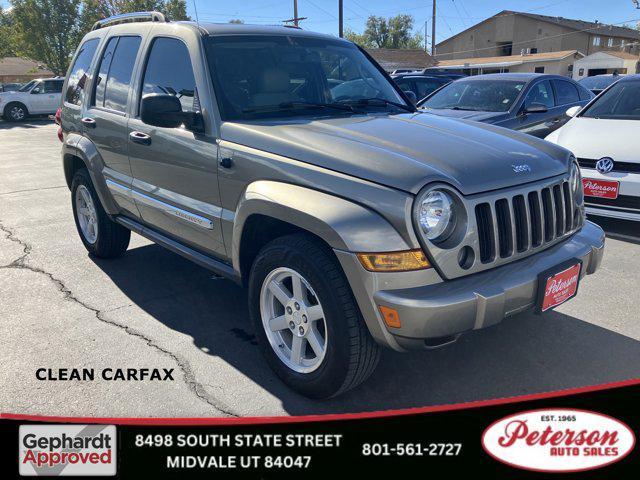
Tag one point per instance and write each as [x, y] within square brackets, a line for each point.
[351, 353]
[112, 239]
[11, 118]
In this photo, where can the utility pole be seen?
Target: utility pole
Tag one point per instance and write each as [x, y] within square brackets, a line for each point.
[340, 19]
[425, 36]
[296, 19]
[433, 30]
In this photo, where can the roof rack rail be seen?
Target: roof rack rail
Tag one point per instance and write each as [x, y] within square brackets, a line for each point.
[130, 17]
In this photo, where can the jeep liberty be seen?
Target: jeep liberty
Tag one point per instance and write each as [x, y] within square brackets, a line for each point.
[289, 162]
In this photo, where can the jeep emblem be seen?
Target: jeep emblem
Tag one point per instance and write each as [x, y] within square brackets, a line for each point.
[521, 168]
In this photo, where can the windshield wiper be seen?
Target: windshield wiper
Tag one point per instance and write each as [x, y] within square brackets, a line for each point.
[298, 104]
[383, 101]
[464, 108]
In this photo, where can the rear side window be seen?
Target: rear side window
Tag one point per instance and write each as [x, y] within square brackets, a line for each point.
[116, 68]
[80, 72]
[169, 71]
[53, 86]
[566, 92]
[540, 93]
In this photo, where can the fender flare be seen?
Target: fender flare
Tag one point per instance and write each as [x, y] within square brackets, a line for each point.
[342, 224]
[76, 145]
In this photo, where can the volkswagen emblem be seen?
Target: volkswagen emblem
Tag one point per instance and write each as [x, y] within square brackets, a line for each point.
[604, 165]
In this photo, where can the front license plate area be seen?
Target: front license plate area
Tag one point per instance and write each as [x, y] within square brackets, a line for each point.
[558, 284]
[600, 188]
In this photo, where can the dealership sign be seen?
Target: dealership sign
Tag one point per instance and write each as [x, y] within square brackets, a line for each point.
[558, 440]
[57, 450]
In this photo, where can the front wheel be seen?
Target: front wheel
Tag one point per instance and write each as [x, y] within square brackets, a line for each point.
[306, 319]
[100, 235]
[15, 112]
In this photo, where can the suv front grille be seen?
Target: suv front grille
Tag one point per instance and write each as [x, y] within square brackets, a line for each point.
[519, 223]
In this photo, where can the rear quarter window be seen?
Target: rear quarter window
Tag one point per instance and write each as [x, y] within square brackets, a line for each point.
[566, 92]
[79, 75]
[114, 73]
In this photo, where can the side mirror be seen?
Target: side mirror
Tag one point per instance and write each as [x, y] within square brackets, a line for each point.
[536, 108]
[573, 111]
[411, 95]
[35, 91]
[162, 110]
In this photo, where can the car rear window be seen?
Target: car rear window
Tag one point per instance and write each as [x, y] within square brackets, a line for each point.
[566, 92]
[80, 72]
[114, 73]
[53, 86]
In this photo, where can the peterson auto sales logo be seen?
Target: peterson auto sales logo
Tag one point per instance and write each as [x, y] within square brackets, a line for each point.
[558, 440]
[59, 450]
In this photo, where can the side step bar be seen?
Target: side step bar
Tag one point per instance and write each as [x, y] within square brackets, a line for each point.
[205, 261]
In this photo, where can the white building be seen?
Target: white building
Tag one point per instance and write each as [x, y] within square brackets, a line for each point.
[601, 63]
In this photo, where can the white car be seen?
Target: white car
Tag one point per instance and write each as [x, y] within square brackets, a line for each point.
[38, 97]
[605, 138]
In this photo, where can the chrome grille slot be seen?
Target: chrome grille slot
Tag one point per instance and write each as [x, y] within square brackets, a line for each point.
[520, 223]
[503, 219]
[548, 215]
[568, 207]
[485, 233]
[559, 210]
[536, 219]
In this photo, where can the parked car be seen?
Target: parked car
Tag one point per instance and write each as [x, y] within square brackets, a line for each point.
[398, 71]
[354, 220]
[420, 85]
[529, 102]
[451, 74]
[605, 136]
[38, 97]
[10, 87]
[598, 83]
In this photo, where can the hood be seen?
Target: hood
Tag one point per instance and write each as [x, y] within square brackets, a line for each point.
[476, 116]
[584, 137]
[406, 151]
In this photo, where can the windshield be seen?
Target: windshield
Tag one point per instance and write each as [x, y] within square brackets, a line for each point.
[598, 83]
[28, 86]
[620, 102]
[280, 76]
[476, 95]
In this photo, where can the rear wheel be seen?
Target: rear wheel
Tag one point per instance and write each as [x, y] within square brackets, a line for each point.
[100, 235]
[309, 326]
[15, 112]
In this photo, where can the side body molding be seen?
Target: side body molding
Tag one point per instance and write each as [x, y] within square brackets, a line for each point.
[83, 148]
[344, 225]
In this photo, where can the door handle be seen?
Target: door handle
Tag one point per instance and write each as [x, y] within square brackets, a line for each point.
[88, 122]
[226, 162]
[141, 138]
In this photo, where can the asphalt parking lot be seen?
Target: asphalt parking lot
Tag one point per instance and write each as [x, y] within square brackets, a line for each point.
[60, 308]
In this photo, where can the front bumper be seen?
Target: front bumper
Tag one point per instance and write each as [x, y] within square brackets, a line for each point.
[443, 309]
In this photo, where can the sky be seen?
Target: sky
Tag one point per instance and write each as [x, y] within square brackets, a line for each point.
[453, 16]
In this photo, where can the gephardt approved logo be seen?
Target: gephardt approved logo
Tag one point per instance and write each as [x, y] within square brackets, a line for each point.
[558, 440]
[57, 450]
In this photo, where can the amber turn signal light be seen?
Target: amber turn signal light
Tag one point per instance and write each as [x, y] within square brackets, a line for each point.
[391, 316]
[394, 261]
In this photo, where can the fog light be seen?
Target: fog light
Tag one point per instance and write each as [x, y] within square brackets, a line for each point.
[394, 261]
[391, 316]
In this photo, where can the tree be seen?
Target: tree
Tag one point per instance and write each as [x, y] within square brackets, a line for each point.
[394, 32]
[236, 20]
[7, 34]
[46, 30]
[50, 30]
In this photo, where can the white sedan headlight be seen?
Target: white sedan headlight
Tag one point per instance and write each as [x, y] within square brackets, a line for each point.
[436, 215]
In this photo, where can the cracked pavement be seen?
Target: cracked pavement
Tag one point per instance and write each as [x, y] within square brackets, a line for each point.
[60, 308]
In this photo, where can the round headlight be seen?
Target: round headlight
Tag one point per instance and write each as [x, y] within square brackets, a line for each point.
[575, 182]
[436, 215]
